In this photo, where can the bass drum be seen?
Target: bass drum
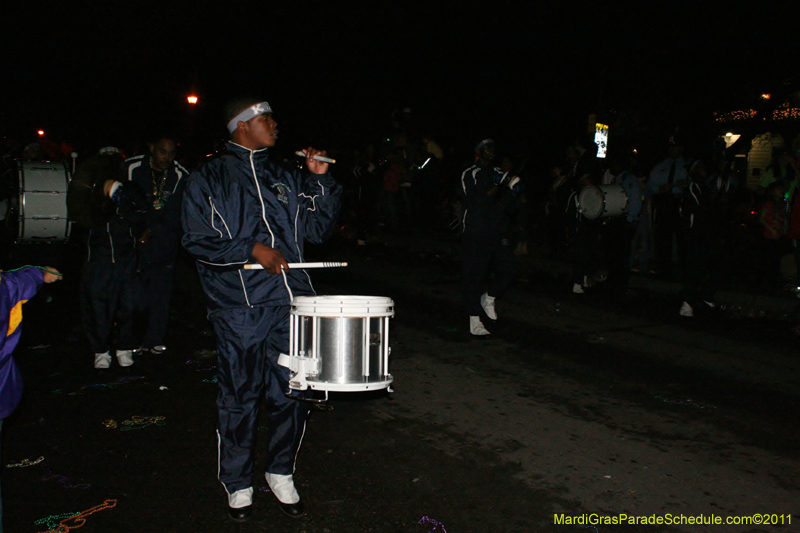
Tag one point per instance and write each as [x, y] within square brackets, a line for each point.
[43, 201]
[602, 201]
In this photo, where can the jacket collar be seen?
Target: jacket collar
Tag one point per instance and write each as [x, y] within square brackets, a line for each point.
[241, 151]
[148, 169]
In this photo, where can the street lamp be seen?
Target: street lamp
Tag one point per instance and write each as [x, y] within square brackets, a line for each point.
[730, 138]
[192, 99]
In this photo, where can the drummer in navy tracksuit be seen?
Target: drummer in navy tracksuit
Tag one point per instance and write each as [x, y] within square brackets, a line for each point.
[243, 208]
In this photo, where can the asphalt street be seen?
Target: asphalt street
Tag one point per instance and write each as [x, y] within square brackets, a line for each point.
[579, 405]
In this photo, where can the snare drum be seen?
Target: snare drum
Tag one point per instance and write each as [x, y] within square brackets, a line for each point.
[339, 343]
[602, 201]
[43, 201]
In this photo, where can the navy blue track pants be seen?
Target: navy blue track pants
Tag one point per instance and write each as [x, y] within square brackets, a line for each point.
[107, 297]
[152, 305]
[249, 342]
[479, 256]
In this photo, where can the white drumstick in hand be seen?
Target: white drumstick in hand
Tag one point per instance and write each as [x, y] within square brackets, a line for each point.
[317, 157]
[324, 264]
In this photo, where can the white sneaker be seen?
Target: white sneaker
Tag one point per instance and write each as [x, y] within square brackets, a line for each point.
[241, 498]
[476, 327]
[282, 486]
[577, 288]
[487, 302]
[686, 309]
[102, 360]
[125, 357]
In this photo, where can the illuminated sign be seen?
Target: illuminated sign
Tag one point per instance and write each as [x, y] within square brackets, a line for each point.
[601, 139]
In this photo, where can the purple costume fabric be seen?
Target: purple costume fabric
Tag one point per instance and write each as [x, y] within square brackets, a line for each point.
[15, 287]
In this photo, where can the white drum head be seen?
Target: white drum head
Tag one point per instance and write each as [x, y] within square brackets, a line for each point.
[591, 202]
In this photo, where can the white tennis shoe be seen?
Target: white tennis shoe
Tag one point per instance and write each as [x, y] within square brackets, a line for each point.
[487, 302]
[476, 327]
[102, 360]
[282, 486]
[241, 498]
[125, 357]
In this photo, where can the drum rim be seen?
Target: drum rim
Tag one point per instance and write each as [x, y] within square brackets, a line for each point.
[351, 387]
[329, 298]
[338, 306]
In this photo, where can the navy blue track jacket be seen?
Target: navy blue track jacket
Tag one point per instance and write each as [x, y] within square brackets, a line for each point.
[486, 215]
[165, 223]
[111, 226]
[241, 198]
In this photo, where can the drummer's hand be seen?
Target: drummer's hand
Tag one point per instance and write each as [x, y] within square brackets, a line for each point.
[53, 275]
[314, 166]
[107, 187]
[269, 258]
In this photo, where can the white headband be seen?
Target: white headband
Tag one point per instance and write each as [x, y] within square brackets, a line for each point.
[483, 143]
[252, 111]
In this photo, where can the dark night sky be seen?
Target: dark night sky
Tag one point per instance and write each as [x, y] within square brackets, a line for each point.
[333, 71]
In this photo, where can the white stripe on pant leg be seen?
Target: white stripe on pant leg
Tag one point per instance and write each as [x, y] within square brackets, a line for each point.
[294, 466]
[219, 461]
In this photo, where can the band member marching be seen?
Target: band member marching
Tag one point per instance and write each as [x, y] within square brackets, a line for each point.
[161, 177]
[243, 208]
[110, 210]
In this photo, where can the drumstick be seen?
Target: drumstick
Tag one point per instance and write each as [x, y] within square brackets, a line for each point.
[324, 264]
[317, 157]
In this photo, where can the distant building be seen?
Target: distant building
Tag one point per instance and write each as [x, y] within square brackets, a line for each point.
[774, 125]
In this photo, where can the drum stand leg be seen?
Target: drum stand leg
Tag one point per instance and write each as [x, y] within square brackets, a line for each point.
[292, 329]
[309, 400]
[365, 350]
[386, 350]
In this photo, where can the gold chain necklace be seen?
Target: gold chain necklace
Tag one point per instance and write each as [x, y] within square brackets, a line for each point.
[158, 186]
